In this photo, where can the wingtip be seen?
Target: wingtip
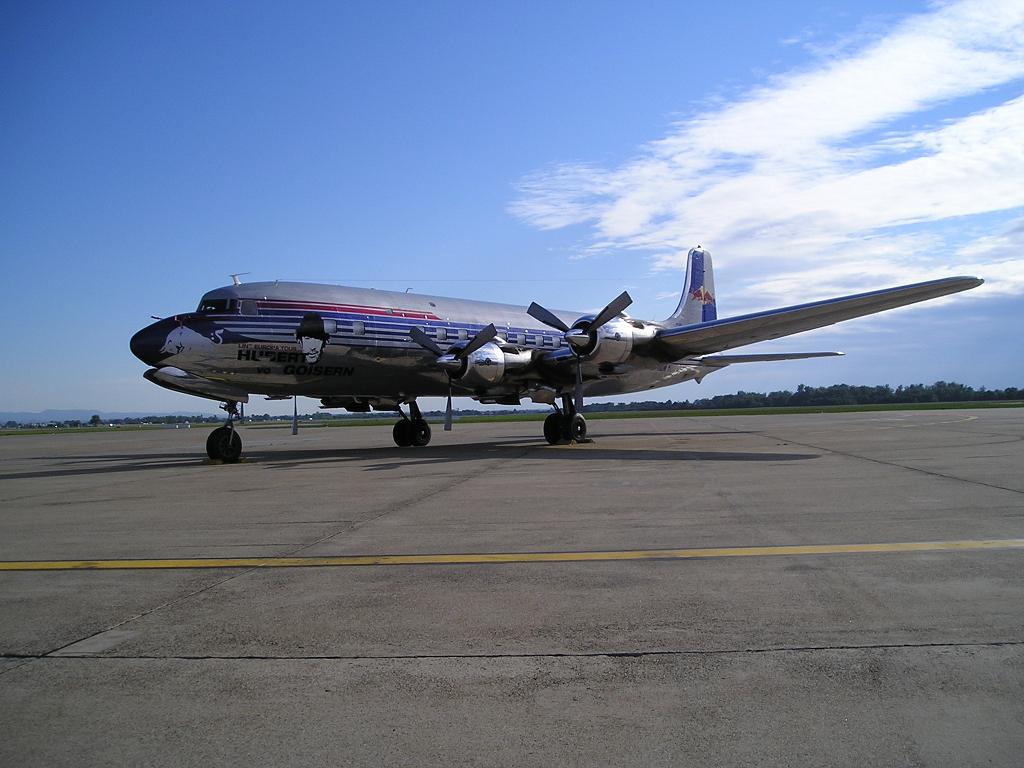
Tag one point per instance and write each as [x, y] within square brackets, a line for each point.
[970, 281]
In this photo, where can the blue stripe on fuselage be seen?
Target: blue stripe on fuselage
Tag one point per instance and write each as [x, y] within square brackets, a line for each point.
[282, 322]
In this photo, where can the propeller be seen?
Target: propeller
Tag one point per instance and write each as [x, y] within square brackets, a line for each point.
[295, 415]
[453, 360]
[579, 338]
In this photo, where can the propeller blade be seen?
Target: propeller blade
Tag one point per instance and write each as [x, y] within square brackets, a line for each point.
[418, 335]
[448, 409]
[579, 385]
[537, 312]
[295, 415]
[482, 337]
[617, 304]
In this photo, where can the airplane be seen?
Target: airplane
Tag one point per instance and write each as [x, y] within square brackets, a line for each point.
[365, 349]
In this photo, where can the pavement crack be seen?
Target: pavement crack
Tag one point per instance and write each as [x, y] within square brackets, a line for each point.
[443, 488]
[532, 655]
[882, 462]
[448, 485]
[142, 614]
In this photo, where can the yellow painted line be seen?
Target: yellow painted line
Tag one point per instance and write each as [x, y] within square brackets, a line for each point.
[512, 557]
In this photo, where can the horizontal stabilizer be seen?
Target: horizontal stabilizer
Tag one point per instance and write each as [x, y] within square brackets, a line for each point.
[180, 381]
[719, 335]
[733, 359]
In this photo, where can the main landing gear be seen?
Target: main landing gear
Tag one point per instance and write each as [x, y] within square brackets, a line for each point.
[411, 431]
[565, 425]
[224, 444]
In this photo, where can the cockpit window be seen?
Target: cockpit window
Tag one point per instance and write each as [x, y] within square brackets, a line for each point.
[210, 306]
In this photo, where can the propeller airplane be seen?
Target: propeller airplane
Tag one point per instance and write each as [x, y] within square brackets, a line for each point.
[363, 350]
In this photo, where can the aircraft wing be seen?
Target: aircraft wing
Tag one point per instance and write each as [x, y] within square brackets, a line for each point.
[723, 360]
[718, 335]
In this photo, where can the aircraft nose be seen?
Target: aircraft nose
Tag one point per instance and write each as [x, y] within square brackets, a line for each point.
[146, 344]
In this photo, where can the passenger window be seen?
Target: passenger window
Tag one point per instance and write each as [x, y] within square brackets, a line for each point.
[442, 334]
[358, 327]
[463, 334]
[249, 307]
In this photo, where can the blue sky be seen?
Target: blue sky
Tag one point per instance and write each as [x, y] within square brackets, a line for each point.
[557, 152]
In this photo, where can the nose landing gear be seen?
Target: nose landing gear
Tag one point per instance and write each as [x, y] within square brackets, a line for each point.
[224, 443]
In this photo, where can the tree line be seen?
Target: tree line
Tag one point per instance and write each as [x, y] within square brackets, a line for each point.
[836, 394]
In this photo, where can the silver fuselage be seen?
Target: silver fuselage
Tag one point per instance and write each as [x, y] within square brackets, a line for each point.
[245, 336]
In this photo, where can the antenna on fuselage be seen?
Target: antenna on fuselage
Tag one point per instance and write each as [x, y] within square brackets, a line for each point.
[236, 275]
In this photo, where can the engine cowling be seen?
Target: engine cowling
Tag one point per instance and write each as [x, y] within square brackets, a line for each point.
[484, 367]
[609, 343]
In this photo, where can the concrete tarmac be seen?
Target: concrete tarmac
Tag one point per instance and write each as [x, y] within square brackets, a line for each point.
[758, 658]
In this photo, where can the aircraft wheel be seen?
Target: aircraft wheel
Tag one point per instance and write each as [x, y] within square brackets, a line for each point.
[565, 428]
[224, 444]
[403, 433]
[577, 428]
[553, 428]
[420, 432]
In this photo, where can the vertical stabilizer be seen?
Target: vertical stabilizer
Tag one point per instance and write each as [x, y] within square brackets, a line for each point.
[697, 304]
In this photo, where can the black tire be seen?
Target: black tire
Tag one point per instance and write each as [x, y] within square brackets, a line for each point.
[402, 433]
[577, 428]
[213, 443]
[553, 428]
[565, 428]
[420, 433]
[224, 444]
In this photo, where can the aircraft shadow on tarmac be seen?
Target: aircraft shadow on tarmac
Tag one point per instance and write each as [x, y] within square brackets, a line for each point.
[98, 464]
[613, 435]
[509, 450]
[392, 458]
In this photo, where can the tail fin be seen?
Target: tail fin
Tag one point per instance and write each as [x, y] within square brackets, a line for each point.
[697, 304]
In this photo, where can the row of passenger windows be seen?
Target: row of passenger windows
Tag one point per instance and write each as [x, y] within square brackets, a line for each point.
[248, 307]
[513, 337]
[461, 334]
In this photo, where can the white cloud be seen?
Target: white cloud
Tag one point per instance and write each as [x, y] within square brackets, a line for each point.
[819, 182]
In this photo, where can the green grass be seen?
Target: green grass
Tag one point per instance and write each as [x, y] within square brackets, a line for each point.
[498, 417]
[90, 430]
[662, 414]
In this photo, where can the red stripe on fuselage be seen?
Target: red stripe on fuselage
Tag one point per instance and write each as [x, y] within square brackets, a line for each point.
[321, 306]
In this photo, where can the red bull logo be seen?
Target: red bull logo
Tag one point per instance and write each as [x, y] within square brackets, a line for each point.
[703, 295]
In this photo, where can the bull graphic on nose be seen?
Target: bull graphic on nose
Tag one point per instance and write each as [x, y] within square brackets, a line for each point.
[183, 340]
[312, 336]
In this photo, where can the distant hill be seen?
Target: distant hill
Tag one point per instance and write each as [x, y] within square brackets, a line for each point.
[45, 417]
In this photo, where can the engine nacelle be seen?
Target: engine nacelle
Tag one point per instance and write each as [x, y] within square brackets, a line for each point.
[611, 343]
[488, 365]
